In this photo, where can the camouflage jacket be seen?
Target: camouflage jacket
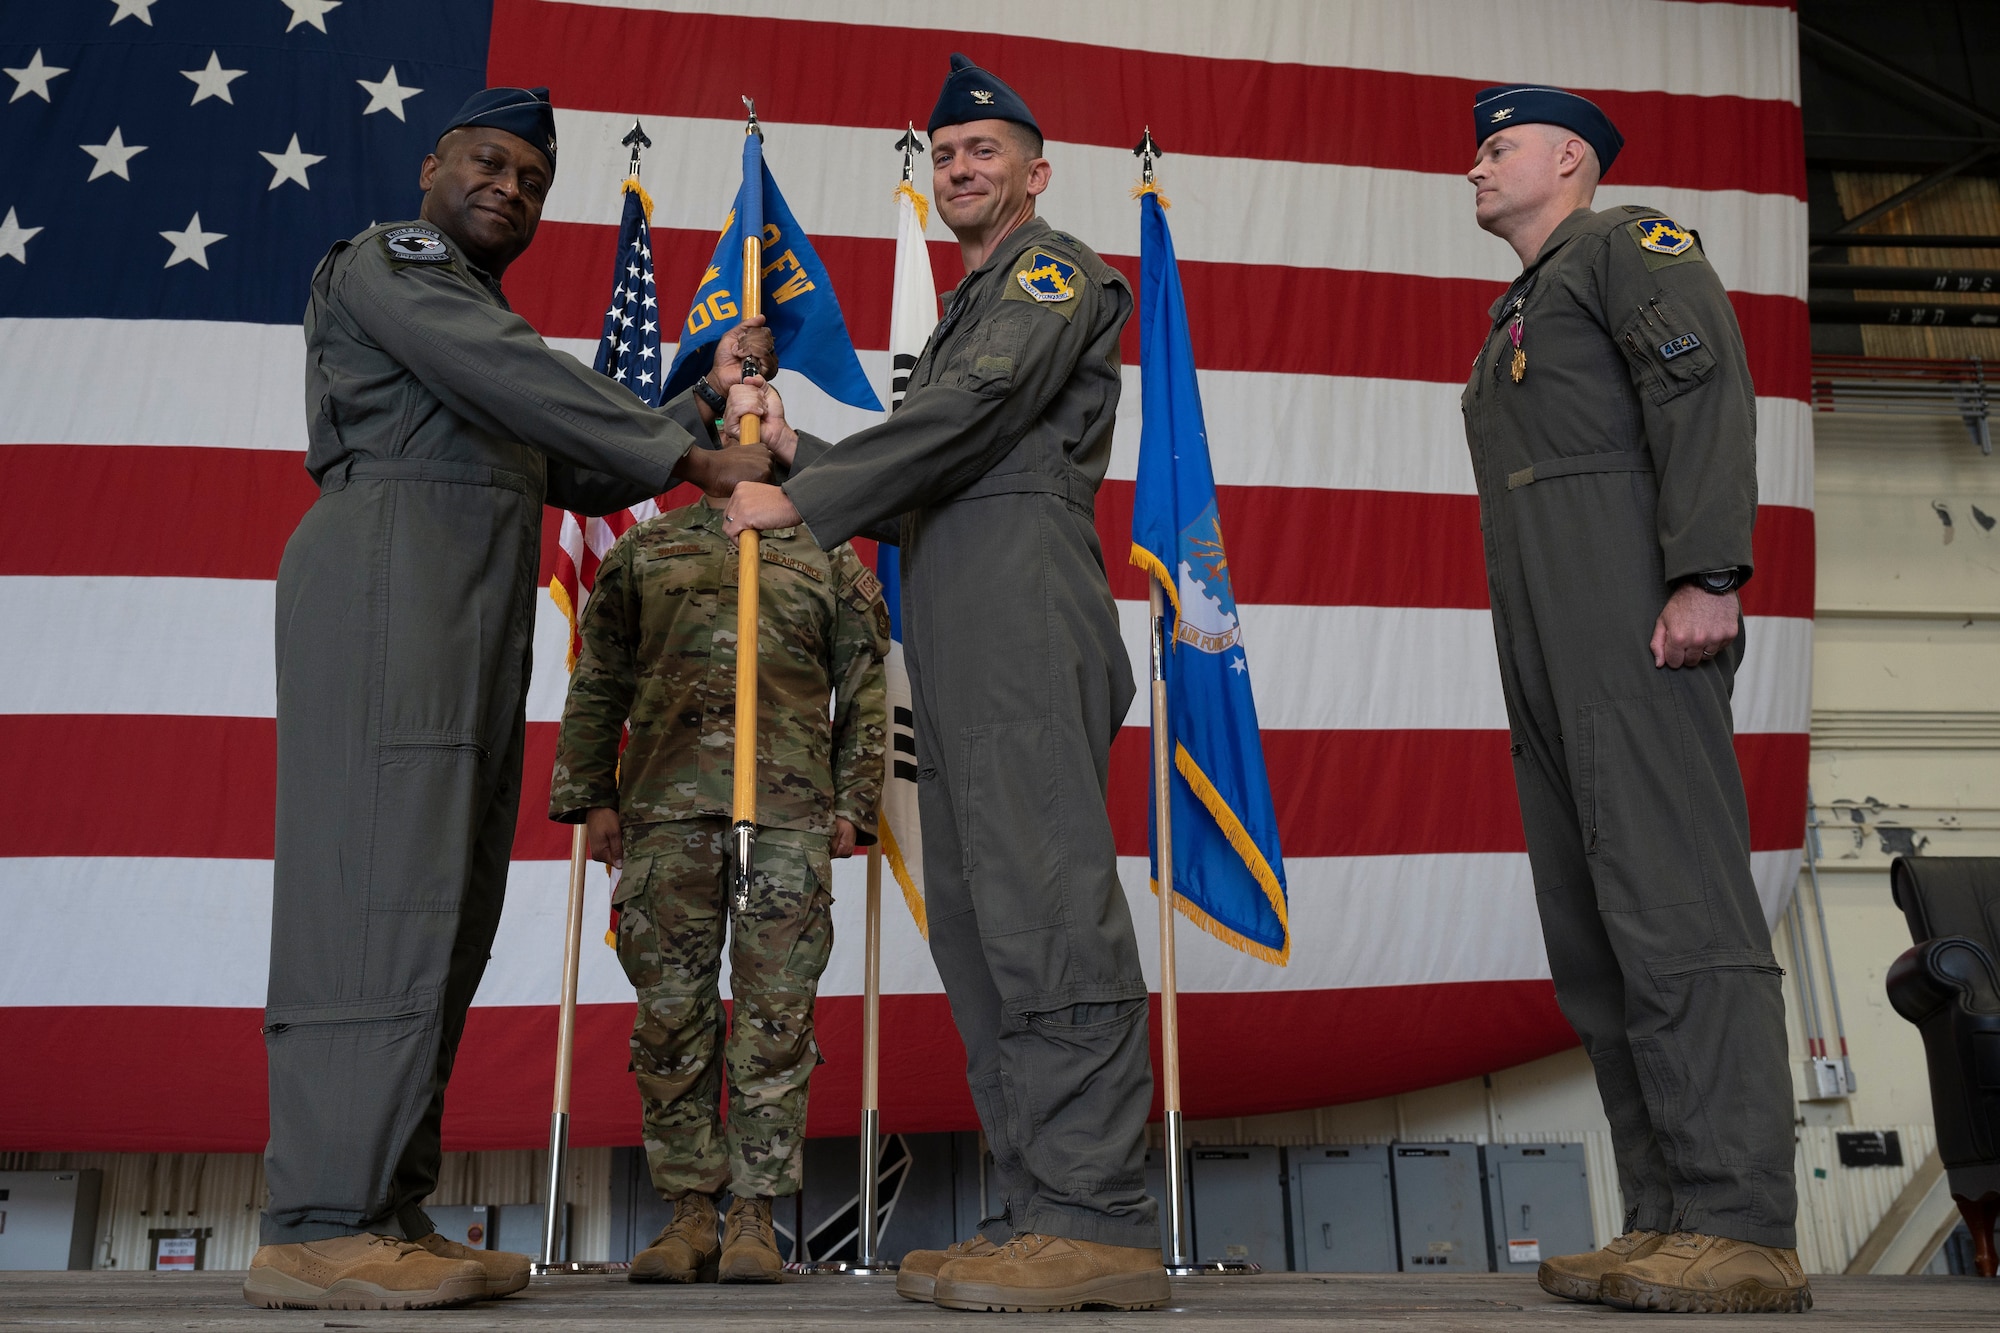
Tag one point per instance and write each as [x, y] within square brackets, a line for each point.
[659, 650]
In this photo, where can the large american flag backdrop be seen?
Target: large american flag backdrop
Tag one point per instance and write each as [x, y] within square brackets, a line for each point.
[165, 197]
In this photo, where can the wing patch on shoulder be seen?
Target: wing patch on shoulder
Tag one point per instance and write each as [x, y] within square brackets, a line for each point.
[416, 245]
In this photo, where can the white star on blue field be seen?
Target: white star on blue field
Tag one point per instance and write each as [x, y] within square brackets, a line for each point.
[193, 159]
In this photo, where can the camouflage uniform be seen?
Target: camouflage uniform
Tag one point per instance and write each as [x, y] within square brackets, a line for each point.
[659, 650]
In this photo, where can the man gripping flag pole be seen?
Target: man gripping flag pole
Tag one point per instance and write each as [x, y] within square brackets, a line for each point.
[1214, 829]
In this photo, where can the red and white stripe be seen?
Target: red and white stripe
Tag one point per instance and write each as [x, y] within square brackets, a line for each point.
[1337, 288]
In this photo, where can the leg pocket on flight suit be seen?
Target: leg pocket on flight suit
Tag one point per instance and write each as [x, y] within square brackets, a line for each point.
[349, 1082]
[1716, 1064]
[1640, 837]
[1013, 828]
[426, 790]
[638, 931]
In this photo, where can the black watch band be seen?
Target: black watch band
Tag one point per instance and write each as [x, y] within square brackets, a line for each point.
[710, 399]
[1721, 582]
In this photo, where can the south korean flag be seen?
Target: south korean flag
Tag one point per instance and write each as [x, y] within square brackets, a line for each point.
[913, 313]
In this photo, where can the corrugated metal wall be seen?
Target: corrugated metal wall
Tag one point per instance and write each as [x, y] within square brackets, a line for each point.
[147, 1191]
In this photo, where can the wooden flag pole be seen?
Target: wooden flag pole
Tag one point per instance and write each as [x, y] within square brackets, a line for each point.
[1177, 1258]
[744, 807]
[867, 1237]
[552, 1228]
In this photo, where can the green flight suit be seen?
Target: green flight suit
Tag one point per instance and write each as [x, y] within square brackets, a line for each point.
[1019, 681]
[1622, 459]
[439, 423]
[659, 653]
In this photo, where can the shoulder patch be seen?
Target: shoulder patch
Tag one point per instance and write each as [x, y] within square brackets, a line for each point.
[416, 245]
[866, 586]
[1662, 241]
[1046, 278]
[1662, 236]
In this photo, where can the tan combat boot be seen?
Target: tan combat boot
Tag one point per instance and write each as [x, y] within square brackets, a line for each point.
[506, 1272]
[686, 1248]
[1692, 1273]
[1039, 1273]
[916, 1277]
[749, 1246]
[363, 1272]
[1575, 1277]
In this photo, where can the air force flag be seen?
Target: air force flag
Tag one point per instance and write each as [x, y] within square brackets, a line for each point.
[799, 304]
[1228, 874]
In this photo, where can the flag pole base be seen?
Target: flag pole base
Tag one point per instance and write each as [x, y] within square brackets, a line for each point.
[1179, 1258]
[552, 1228]
[577, 1269]
[1216, 1268]
[821, 1268]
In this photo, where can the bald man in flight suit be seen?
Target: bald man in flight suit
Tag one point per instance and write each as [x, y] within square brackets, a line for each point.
[1612, 425]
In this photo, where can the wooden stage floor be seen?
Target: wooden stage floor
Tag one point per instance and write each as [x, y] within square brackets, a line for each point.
[1508, 1302]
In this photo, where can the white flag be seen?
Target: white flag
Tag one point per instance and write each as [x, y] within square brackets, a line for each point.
[913, 313]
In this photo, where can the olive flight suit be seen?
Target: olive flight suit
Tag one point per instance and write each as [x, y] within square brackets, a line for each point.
[1620, 458]
[1019, 681]
[439, 424]
[659, 653]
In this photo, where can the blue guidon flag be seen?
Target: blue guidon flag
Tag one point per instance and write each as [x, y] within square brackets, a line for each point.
[1228, 873]
[799, 304]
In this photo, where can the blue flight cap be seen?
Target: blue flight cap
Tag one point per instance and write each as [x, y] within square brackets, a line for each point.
[971, 93]
[1494, 109]
[522, 112]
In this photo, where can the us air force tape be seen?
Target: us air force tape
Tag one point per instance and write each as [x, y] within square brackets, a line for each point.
[417, 245]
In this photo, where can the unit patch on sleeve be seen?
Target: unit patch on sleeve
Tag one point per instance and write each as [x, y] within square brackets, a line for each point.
[417, 245]
[1661, 236]
[1663, 242]
[1687, 342]
[1047, 278]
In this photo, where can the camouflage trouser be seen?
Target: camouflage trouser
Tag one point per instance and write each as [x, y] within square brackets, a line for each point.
[672, 896]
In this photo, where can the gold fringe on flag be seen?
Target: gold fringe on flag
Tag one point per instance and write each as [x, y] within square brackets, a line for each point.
[632, 186]
[917, 201]
[911, 898]
[1149, 562]
[1152, 188]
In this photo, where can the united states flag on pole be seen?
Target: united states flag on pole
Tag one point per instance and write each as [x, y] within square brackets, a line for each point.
[628, 351]
[151, 434]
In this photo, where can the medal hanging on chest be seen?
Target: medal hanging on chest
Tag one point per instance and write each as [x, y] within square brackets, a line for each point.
[1519, 366]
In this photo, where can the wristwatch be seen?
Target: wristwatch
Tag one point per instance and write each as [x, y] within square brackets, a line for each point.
[710, 399]
[1721, 582]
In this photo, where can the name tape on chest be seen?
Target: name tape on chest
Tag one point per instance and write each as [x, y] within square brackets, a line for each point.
[416, 245]
[1687, 342]
[676, 548]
